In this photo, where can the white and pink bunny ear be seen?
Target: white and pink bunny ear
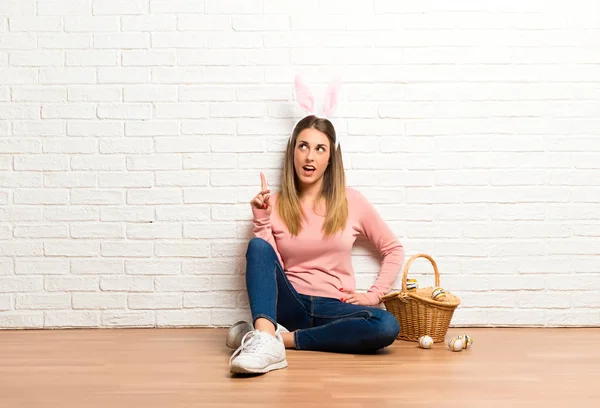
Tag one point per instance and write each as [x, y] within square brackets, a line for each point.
[331, 98]
[304, 96]
[306, 100]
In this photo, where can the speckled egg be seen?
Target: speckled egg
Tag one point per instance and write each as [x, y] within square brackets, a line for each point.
[425, 342]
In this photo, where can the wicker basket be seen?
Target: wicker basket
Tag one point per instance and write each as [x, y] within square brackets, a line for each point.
[417, 313]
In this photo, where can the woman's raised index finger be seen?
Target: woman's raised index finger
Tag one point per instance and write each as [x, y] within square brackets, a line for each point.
[263, 182]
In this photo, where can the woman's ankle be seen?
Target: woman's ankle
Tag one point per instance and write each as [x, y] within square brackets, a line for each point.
[264, 325]
[288, 340]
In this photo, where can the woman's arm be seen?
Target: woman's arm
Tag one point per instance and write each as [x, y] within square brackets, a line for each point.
[262, 207]
[261, 220]
[262, 225]
[388, 245]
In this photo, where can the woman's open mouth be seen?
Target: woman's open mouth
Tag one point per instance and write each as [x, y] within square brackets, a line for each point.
[308, 170]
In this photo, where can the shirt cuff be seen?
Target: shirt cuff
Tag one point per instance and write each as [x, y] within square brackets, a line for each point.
[260, 213]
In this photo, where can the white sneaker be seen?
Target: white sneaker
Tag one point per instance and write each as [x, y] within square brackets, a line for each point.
[239, 330]
[236, 333]
[259, 353]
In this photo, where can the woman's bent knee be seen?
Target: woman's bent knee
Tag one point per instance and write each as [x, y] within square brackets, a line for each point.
[258, 245]
[387, 329]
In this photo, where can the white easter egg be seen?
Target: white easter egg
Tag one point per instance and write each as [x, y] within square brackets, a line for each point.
[455, 344]
[425, 342]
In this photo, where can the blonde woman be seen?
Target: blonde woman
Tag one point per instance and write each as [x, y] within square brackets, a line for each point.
[299, 274]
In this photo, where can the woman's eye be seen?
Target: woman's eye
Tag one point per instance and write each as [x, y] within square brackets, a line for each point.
[320, 148]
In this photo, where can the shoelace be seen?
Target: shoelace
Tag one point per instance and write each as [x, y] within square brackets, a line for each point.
[250, 342]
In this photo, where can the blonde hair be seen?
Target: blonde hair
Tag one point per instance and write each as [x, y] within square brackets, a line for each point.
[334, 182]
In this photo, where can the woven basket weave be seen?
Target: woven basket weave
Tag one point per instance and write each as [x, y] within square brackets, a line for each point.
[416, 311]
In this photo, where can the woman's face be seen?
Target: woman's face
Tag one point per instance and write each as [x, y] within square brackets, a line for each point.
[311, 157]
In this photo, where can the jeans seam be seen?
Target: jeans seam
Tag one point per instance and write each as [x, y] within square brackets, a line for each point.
[344, 316]
[288, 284]
[351, 315]
[296, 343]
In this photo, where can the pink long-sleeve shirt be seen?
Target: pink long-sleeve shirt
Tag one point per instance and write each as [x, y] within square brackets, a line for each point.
[319, 266]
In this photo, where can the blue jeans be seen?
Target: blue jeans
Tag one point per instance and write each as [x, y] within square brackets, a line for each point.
[318, 323]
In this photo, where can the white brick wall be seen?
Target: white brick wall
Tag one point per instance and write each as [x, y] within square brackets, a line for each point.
[132, 134]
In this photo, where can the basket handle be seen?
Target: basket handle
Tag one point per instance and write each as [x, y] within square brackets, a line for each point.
[410, 261]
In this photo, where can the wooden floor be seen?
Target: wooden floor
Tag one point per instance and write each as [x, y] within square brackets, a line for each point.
[170, 368]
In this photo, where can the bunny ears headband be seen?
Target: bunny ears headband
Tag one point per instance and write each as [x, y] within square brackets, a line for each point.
[306, 99]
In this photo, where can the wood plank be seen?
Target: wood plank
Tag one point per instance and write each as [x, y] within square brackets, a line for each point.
[516, 367]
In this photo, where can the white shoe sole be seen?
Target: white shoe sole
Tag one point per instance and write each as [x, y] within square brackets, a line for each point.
[241, 370]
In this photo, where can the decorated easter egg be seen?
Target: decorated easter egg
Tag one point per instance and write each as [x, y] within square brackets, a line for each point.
[425, 342]
[455, 344]
[467, 340]
[438, 294]
[412, 284]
